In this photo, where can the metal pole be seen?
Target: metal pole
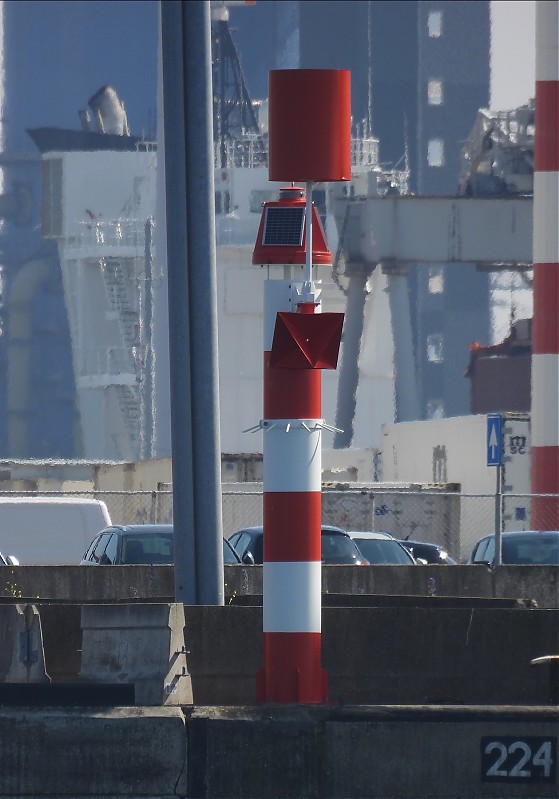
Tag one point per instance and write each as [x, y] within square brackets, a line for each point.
[189, 169]
[497, 558]
[148, 399]
[308, 227]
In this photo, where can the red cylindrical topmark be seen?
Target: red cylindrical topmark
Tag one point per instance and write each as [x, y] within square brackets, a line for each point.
[309, 125]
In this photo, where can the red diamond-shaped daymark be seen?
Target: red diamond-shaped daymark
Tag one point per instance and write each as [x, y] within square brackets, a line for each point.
[306, 341]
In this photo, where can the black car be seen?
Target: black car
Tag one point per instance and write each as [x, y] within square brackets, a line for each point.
[524, 548]
[126, 544]
[337, 546]
[431, 553]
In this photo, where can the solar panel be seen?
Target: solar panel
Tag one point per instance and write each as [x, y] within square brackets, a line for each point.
[284, 226]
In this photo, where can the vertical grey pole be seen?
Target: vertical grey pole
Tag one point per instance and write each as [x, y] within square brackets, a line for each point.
[189, 175]
[497, 558]
[160, 331]
[146, 451]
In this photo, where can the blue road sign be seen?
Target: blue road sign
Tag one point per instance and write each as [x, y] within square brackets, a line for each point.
[494, 439]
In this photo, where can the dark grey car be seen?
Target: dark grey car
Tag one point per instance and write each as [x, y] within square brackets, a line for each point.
[524, 548]
[126, 544]
[431, 553]
[337, 547]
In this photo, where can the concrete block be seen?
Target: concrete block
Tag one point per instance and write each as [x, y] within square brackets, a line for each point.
[385, 655]
[425, 752]
[399, 752]
[120, 752]
[62, 640]
[139, 644]
[22, 658]
[540, 583]
[225, 646]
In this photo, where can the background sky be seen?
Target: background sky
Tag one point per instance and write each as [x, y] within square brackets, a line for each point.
[513, 65]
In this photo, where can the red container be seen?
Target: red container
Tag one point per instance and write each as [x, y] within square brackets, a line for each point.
[309, 125]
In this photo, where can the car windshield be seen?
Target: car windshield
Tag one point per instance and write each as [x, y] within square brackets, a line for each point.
[379, 551]
[229, 555]
[339, 549]
[153, 547]
[157, 547]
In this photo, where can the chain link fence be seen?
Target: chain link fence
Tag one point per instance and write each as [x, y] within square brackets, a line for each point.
[448, 518]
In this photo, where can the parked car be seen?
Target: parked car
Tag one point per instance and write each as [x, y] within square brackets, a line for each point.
[139, 543]
[382, 548]
[8, 560]
[337, 546]
[527, 547]
[429, 553]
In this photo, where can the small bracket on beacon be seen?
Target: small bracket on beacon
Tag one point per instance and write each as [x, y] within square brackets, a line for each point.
[290, 424]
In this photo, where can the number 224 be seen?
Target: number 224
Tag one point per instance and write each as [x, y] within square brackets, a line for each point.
[542, 758]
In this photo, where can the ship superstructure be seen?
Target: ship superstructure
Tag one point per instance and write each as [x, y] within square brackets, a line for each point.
[54, 55]
[98, 204]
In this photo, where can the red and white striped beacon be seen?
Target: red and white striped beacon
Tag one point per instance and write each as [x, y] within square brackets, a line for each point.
[545, 326]
[309, 141]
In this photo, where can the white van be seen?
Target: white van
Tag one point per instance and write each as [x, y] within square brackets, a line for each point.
[49, 530]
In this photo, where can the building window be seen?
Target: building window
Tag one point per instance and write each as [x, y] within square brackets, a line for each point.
[435, 152]
[435, 409]
[435, 348]
[435, 24]
[435, 92]
[436, 280]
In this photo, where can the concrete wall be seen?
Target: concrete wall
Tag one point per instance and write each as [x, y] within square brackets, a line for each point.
[394, 652]
[385, 655]
[415, 692]
[390, 634]
[273, 752]
[153, 474]
[105, 584]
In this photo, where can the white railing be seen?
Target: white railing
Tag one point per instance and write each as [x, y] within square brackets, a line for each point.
[117, 233]
[364, 152]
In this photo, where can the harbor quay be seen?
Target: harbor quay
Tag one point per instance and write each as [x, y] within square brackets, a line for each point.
[275, 752]
[440, 692]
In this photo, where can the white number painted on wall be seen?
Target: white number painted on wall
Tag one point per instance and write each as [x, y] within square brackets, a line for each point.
[519, 760]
